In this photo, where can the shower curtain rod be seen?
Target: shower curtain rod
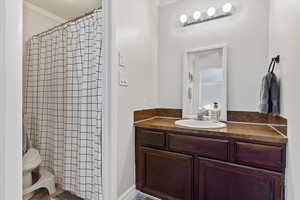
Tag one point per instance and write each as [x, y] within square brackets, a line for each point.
[69, 21]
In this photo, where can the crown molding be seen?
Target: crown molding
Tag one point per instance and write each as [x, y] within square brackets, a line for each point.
[43, 12]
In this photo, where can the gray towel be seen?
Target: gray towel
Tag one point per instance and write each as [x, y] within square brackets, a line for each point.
[265, 94]
[275, 95]
[270, 95]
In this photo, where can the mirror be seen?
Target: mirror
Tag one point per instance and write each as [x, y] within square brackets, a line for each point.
[205, 80]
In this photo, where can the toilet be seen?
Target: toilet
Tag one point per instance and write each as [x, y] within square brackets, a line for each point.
[31, 161]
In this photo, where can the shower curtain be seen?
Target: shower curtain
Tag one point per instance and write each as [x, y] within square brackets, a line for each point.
[63, 98]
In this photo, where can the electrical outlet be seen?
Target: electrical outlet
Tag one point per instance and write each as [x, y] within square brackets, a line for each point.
[123, 77]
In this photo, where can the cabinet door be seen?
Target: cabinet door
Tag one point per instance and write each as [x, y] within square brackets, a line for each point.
[165, 175]
[218, 180]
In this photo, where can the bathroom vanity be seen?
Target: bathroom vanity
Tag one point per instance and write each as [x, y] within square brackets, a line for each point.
[239, 162]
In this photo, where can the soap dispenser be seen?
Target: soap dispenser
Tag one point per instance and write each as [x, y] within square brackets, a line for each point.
[215, 112]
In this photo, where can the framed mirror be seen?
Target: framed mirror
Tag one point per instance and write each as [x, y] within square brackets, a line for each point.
[205, 80]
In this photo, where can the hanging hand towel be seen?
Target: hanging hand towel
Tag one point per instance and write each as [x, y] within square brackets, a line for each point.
[264, 105]
[275, 95]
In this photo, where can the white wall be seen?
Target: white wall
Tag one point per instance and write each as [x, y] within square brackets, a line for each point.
[11, 40]
[285, 40]
[2, 100]
[278, 45]
[246, 33]
[37, 20]
[11, 99]
[110, 139]
[137, 41]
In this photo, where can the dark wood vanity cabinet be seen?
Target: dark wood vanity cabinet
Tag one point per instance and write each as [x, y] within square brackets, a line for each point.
[217, 180]
[166, 174]
[174, 166]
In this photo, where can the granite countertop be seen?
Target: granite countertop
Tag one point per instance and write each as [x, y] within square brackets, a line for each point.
[258, 133]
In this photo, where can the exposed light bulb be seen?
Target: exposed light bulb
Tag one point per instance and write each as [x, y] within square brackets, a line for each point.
[183, 19]
[197, 15]
[211, 11]
[227, 7]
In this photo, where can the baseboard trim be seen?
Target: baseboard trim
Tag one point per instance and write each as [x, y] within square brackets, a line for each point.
[147, 195]
[129, 194]
[132, 192]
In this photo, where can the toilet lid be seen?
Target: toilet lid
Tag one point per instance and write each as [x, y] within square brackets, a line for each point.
[31, 159]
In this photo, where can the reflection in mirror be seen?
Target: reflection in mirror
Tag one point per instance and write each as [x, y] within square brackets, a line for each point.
[204, 81]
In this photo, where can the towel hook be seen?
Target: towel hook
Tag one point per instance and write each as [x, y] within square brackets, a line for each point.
[277, 59]
[273, 63]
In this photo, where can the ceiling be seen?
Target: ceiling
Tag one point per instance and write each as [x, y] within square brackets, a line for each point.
[67, 9]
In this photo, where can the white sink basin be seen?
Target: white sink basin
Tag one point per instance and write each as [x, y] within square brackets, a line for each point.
[191, 123]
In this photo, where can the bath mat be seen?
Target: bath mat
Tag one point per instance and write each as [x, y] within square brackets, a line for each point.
[66, 196]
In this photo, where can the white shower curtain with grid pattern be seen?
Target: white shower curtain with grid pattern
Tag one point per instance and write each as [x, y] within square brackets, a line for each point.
[63, 99]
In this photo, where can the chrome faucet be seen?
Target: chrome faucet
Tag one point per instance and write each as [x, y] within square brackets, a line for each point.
[203, 114]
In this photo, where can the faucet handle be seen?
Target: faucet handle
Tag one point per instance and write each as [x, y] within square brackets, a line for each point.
[202, 113]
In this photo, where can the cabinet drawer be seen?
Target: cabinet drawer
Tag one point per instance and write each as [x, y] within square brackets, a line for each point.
[269, 157]
[206, 147]
[151, 138]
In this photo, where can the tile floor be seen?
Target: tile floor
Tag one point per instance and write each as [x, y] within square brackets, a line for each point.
[42, 194]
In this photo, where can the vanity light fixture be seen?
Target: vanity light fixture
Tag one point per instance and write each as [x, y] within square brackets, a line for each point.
[212, 13]
[197, 15]
[183, 19]
[227, 8]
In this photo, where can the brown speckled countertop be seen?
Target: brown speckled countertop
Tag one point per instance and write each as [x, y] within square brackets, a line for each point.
[259, 133]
